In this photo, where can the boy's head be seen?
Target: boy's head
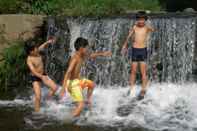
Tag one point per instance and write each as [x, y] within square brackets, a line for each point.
[141, 18]
[31, 47]
[81, 45]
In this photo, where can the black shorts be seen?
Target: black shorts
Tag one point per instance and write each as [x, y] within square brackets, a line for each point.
[34, 78]
[137, 54]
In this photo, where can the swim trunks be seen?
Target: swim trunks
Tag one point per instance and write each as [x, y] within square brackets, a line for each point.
[34, 78]
[137, 54]
[76, 86]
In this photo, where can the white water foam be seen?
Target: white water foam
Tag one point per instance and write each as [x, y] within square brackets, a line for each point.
[14, 103]
[166, 106]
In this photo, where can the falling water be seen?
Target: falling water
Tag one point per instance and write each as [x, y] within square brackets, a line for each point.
[170, 48]
[170, 103]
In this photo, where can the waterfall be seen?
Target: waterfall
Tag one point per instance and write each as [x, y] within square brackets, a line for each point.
[170, 48]
[172, 60]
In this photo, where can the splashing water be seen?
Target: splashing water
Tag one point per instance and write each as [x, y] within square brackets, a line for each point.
[170, 59]
[166, 106]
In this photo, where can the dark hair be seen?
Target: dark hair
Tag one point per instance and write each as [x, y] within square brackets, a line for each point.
[80, 43]
[141, 15]
[30, 45]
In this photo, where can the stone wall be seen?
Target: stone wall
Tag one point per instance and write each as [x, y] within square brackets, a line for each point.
[14, 27]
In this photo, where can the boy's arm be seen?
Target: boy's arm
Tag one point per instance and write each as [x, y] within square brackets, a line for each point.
[149, 25]
[33, 70]
[96, 54]
[131, 31]
[68, 74]
[45, 44]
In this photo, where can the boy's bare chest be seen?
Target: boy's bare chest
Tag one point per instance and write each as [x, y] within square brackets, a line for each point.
[37, 61]
[141, 31]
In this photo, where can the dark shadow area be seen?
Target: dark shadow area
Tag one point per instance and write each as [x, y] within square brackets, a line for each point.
[178, 5]
[195, 58]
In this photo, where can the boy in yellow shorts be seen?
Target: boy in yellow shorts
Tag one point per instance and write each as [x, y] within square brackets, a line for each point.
[73, 83]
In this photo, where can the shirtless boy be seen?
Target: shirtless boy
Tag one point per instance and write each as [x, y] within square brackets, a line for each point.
[73, 82]
[36, 66]
[138, 35]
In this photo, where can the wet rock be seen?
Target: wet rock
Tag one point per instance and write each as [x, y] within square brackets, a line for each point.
[189, 10]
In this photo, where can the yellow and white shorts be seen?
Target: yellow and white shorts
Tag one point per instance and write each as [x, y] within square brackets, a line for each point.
[76, 86]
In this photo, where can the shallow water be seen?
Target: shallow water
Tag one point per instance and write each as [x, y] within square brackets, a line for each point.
[166, 107]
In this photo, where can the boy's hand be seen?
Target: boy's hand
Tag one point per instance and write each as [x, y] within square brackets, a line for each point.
[44, 78]
[124, 49]
[50, 41]
[62, 92]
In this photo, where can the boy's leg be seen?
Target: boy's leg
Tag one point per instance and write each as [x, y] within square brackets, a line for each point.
[75, 90]
[78, 109]
[90, 85]
[133, 77]
[143, 68]
[52, 85]
[36, 88]
[89, 96]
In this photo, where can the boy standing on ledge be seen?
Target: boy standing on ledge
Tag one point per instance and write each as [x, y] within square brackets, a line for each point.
[138, 54]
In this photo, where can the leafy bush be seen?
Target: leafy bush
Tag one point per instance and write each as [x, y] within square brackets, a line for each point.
[77, 7]
[13, 69]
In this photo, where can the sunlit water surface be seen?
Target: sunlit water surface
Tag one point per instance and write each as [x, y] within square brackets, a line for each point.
[166, 106]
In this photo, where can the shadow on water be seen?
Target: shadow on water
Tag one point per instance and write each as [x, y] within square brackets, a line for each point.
[13, 119]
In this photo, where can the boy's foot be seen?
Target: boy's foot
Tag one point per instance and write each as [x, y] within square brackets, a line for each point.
[132, 93]
[142, 94]
[75, 119]
[58, 90]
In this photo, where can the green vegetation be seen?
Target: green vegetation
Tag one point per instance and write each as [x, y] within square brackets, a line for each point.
[13, 69]
[91, 7]
[77, 7]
